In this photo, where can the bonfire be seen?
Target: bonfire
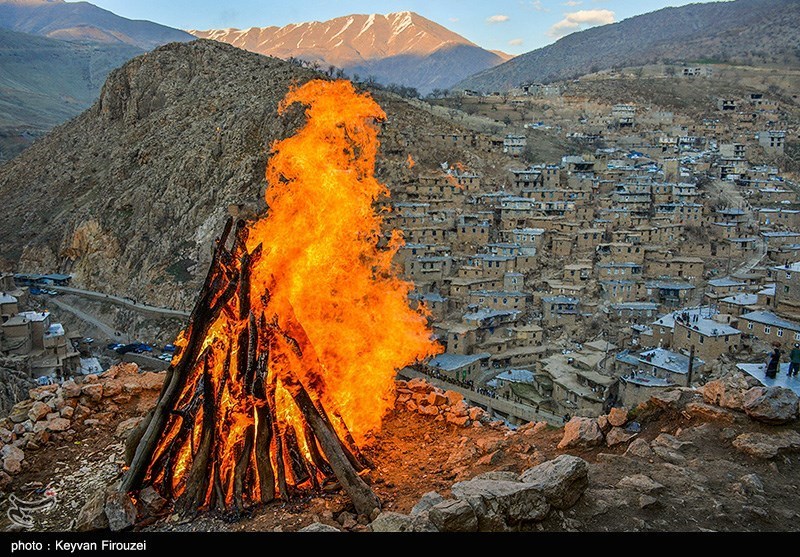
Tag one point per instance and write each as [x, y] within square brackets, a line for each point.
[287, 364]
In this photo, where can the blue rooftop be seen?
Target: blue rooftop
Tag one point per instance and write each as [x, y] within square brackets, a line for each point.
[452, 362]
[781, 379]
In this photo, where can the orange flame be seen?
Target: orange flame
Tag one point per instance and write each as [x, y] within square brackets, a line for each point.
[323, 277]
[410, 162]
[322, 257]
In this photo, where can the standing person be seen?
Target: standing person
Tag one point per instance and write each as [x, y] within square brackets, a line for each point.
[794, 358]
[774, 363]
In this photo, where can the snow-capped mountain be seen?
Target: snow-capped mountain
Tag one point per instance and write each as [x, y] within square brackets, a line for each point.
[403, 48]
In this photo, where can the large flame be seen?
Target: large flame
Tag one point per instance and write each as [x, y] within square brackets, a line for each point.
[322, 257]
[323, 277]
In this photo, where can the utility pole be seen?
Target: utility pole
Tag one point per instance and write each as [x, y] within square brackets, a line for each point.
[691, 366]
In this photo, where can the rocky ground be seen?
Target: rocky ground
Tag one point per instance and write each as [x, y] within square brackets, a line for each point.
[723, 457]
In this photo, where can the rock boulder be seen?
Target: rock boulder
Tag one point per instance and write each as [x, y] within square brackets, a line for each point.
[771, 405]
[392, 522]
[454, 516]
[581, 432]
[562, 480]
[499, 504]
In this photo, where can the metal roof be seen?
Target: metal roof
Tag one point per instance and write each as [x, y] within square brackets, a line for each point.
[769, 318]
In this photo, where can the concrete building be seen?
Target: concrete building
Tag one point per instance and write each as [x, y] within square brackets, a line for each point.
[738, 304]
[770, 328]
[643, 375]
[663, 327]
[499, 299]
[9, 306]
[514, 145]
[635, 312]
[787, 289]
[579, 389]
[624, 115]
[772, 141]
[17, 335]
[669, 293]
[40, 324]
[709, 338]
[560, 310]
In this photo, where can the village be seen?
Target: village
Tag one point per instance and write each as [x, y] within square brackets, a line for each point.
[663, 254]
[32, 341]
[660, 252]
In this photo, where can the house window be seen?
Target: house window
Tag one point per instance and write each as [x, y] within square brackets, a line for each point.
[702, 338]
[785, 288]
[767, 330]
[780, 332]
[797, 336]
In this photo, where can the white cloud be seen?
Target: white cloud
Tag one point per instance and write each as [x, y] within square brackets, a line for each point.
[515, 42]
[454, 19]
[537, 5]
[575, 21]
[497, 19]
[572, 3]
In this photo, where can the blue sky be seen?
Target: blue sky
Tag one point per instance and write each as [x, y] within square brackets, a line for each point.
[514, 26]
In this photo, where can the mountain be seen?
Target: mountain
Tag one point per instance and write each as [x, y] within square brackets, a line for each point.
[55, 56]
[403, 48]
[129, 195]
[742, 31]
[81, 21]
[44, 82]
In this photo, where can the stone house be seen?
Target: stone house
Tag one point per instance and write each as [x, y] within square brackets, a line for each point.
[710, 338]
[770, 328]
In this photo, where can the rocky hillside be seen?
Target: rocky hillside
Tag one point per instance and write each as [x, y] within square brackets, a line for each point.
[403, 48]
[130, 195]
[14, 387]
[743, 31]
[721, 458]
[45, 82]
[81, 21]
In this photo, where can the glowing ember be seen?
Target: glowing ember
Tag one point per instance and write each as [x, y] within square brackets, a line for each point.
[289, 360]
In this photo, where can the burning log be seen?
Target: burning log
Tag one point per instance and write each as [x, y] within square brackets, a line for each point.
[288, 360]
[206, 481]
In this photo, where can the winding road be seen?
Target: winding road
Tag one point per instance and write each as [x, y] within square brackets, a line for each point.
[91, 320]
[120, 301]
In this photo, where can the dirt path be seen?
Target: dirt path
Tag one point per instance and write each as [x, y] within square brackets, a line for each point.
[119, 300]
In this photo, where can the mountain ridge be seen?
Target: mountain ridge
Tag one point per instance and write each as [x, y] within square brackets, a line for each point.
[82, 21]
[45, 82]
[722, 31]
[55, 56]
[394, 48]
